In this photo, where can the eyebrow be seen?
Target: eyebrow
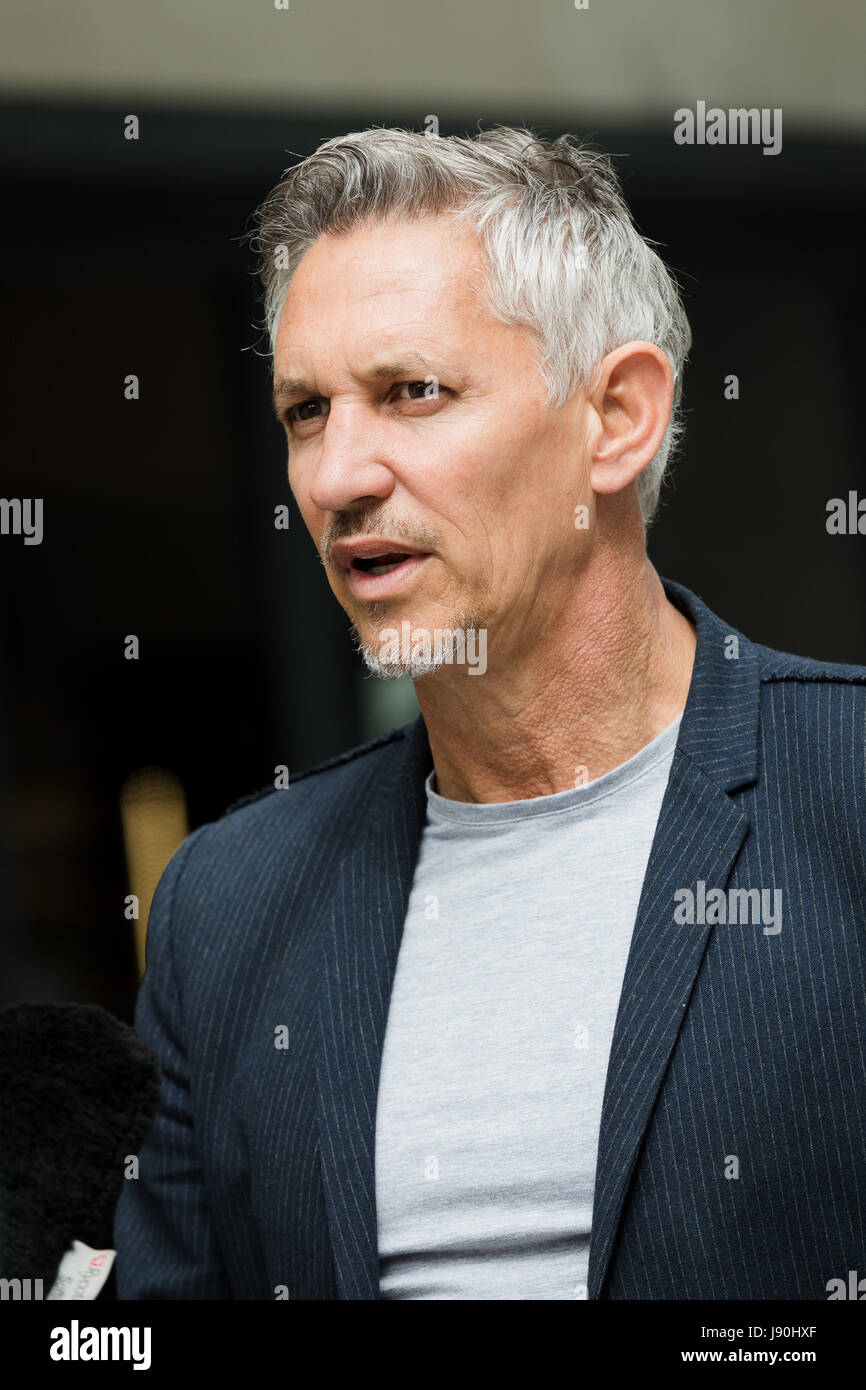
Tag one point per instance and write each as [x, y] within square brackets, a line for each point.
[292, 388]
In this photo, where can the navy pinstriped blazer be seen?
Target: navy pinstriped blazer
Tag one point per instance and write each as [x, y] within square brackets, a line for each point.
[257, 1176]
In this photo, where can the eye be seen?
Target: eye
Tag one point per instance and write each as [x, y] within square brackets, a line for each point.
[420, 390]
[305, 410]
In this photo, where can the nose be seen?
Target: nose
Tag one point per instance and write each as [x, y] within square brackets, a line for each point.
[351, 466]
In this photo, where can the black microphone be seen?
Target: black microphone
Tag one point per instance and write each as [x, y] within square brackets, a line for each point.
[78, 1093]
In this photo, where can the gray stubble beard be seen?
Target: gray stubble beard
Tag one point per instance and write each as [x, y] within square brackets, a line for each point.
[416, 667]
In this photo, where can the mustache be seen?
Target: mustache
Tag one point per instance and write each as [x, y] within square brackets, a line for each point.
[347, 526]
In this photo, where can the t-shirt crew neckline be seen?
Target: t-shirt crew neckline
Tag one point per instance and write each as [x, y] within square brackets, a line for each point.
[443, 809]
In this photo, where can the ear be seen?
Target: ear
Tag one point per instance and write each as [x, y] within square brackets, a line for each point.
[631, 396]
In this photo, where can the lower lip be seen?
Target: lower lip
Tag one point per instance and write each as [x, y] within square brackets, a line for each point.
[370, 586]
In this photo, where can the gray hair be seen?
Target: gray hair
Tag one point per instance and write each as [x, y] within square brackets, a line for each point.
[565, 258]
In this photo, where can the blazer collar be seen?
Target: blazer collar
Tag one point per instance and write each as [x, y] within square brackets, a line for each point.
[361, 918]
[719, 729]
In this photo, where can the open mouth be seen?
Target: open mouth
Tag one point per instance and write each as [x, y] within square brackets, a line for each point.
[380, 564]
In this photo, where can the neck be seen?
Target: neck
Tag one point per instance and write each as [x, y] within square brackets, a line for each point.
[588, 693]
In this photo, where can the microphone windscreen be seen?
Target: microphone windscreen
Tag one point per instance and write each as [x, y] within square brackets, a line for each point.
[78, 1093]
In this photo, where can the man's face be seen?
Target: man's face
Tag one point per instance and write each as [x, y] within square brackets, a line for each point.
[471, 476]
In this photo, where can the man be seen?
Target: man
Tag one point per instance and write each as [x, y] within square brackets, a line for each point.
[557, 991]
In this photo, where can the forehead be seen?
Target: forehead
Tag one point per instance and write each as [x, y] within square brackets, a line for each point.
[399, 273]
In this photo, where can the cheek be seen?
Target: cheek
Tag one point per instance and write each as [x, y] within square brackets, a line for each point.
[299, 485]
[295, 475]
[312, 518]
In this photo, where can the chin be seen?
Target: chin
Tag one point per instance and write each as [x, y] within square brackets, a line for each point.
[412, 666]
[400, 646]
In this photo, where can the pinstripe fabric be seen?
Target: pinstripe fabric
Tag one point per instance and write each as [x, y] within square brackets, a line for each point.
[257, 1177]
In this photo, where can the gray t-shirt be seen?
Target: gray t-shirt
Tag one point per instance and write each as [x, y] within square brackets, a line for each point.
[499, 1031]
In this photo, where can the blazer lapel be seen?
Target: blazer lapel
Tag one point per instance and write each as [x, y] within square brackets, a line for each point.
[698, 835]
[363, 926]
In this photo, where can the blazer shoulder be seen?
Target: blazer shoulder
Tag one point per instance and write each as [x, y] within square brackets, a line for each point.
[363, 758]
[787, 666]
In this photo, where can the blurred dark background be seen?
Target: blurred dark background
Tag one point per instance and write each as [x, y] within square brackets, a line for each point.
[124, 258]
